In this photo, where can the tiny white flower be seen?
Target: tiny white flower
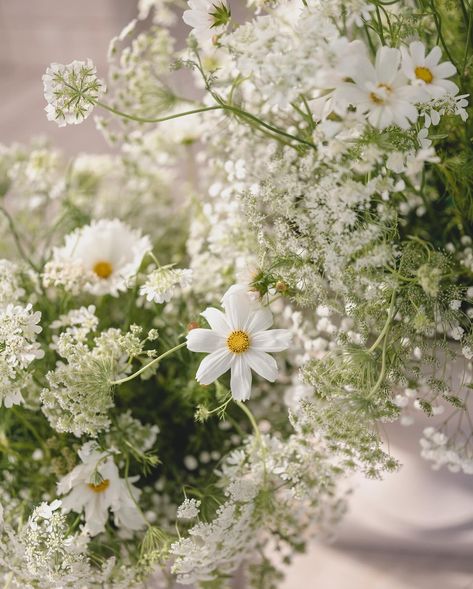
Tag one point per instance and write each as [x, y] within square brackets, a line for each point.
[426, 71]
[109, 252]
[95, 487]
[239, 340]
[208, 18]
[71, 91]
[162, 282]
[189, 509]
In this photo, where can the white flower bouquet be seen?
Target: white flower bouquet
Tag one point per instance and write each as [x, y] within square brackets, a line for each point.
[201, 336]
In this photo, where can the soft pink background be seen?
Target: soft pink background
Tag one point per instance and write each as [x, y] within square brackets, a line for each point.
[412, 531]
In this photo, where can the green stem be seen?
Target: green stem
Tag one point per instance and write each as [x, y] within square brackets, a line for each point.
[17, 240]
[223, 106]
[146, 366]
[258, 436]
[386, 325]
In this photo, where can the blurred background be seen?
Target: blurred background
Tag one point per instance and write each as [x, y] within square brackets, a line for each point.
[414, 530]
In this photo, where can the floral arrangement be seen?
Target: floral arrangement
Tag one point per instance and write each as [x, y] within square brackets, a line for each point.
[202, 336]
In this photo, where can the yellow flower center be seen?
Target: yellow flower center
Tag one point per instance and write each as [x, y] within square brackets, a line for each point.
[103, 269]
[423, 73]
[376, 98]
[238, 342]
[101, 487]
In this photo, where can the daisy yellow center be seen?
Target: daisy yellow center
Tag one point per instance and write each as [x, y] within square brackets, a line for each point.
[423, 73]
[103, 269]
[101, 487]
[238, 342]
[376, 98]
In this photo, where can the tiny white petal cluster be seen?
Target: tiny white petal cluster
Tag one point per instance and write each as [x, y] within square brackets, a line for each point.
[189, 509]
[436, 447]
[161, 283]
[18, 349]
[71, 91]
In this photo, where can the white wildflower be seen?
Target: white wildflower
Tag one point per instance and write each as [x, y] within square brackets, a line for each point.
[109, 253]
[238, 340]
[426, 71]
[71, 91]
[161, 283]
[208, 18]
[189, 509]
[95, 487]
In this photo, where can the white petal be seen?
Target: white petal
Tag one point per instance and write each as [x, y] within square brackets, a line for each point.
[240, 382]
[263, 364]
[387, 63]
[417, 50]
[217, 321]
[444, 70]
[204, 340]
[237, 309]
[434, 57]
[259, 320]
[213, 366]
[274, 340]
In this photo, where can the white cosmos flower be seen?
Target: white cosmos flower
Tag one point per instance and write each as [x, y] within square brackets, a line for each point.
[109, 253]
[95, 487]
[426, 71]
[208, 18]
[381, 91]
[239, 340]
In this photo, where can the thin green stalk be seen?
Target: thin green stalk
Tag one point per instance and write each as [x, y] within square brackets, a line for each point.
[146, 366]
[386, 325]
[17, 240]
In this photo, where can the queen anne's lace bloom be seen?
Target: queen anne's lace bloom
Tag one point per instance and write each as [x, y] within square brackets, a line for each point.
[18, 349]
[71, 91]
[161, 283]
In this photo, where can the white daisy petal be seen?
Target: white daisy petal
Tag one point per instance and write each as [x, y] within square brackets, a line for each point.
[263, 364]
[274, 340]
[240, 382]
[213, 366]
[237, 308]
[217, 321]
[260, 320]
[204, 340]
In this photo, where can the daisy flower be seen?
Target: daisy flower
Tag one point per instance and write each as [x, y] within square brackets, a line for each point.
[208, 18]
[426, 71]
[381, 91]
[239, 340]
[95, 487]
[109, 252]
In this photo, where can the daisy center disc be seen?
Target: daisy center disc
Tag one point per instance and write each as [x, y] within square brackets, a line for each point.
[103, 269]
[101, 487]
[238, 342]
[423, 73]
[378, 98]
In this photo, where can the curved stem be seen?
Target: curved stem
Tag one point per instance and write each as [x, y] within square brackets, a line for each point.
[225, 107]
[17, 239]
[386, 325]
[146, 366]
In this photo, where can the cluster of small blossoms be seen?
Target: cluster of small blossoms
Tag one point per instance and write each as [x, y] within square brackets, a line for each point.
[18, 350]
[79, 393]
[44, 554]
[161, 283]
[437, 448]
[71, 91]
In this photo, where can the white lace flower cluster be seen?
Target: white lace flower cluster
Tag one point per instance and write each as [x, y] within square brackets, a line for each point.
[437, 448]
[79, 395]
[161, 283]
[45, 554]
[71, 91]
[18, 349]
[10, 289]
